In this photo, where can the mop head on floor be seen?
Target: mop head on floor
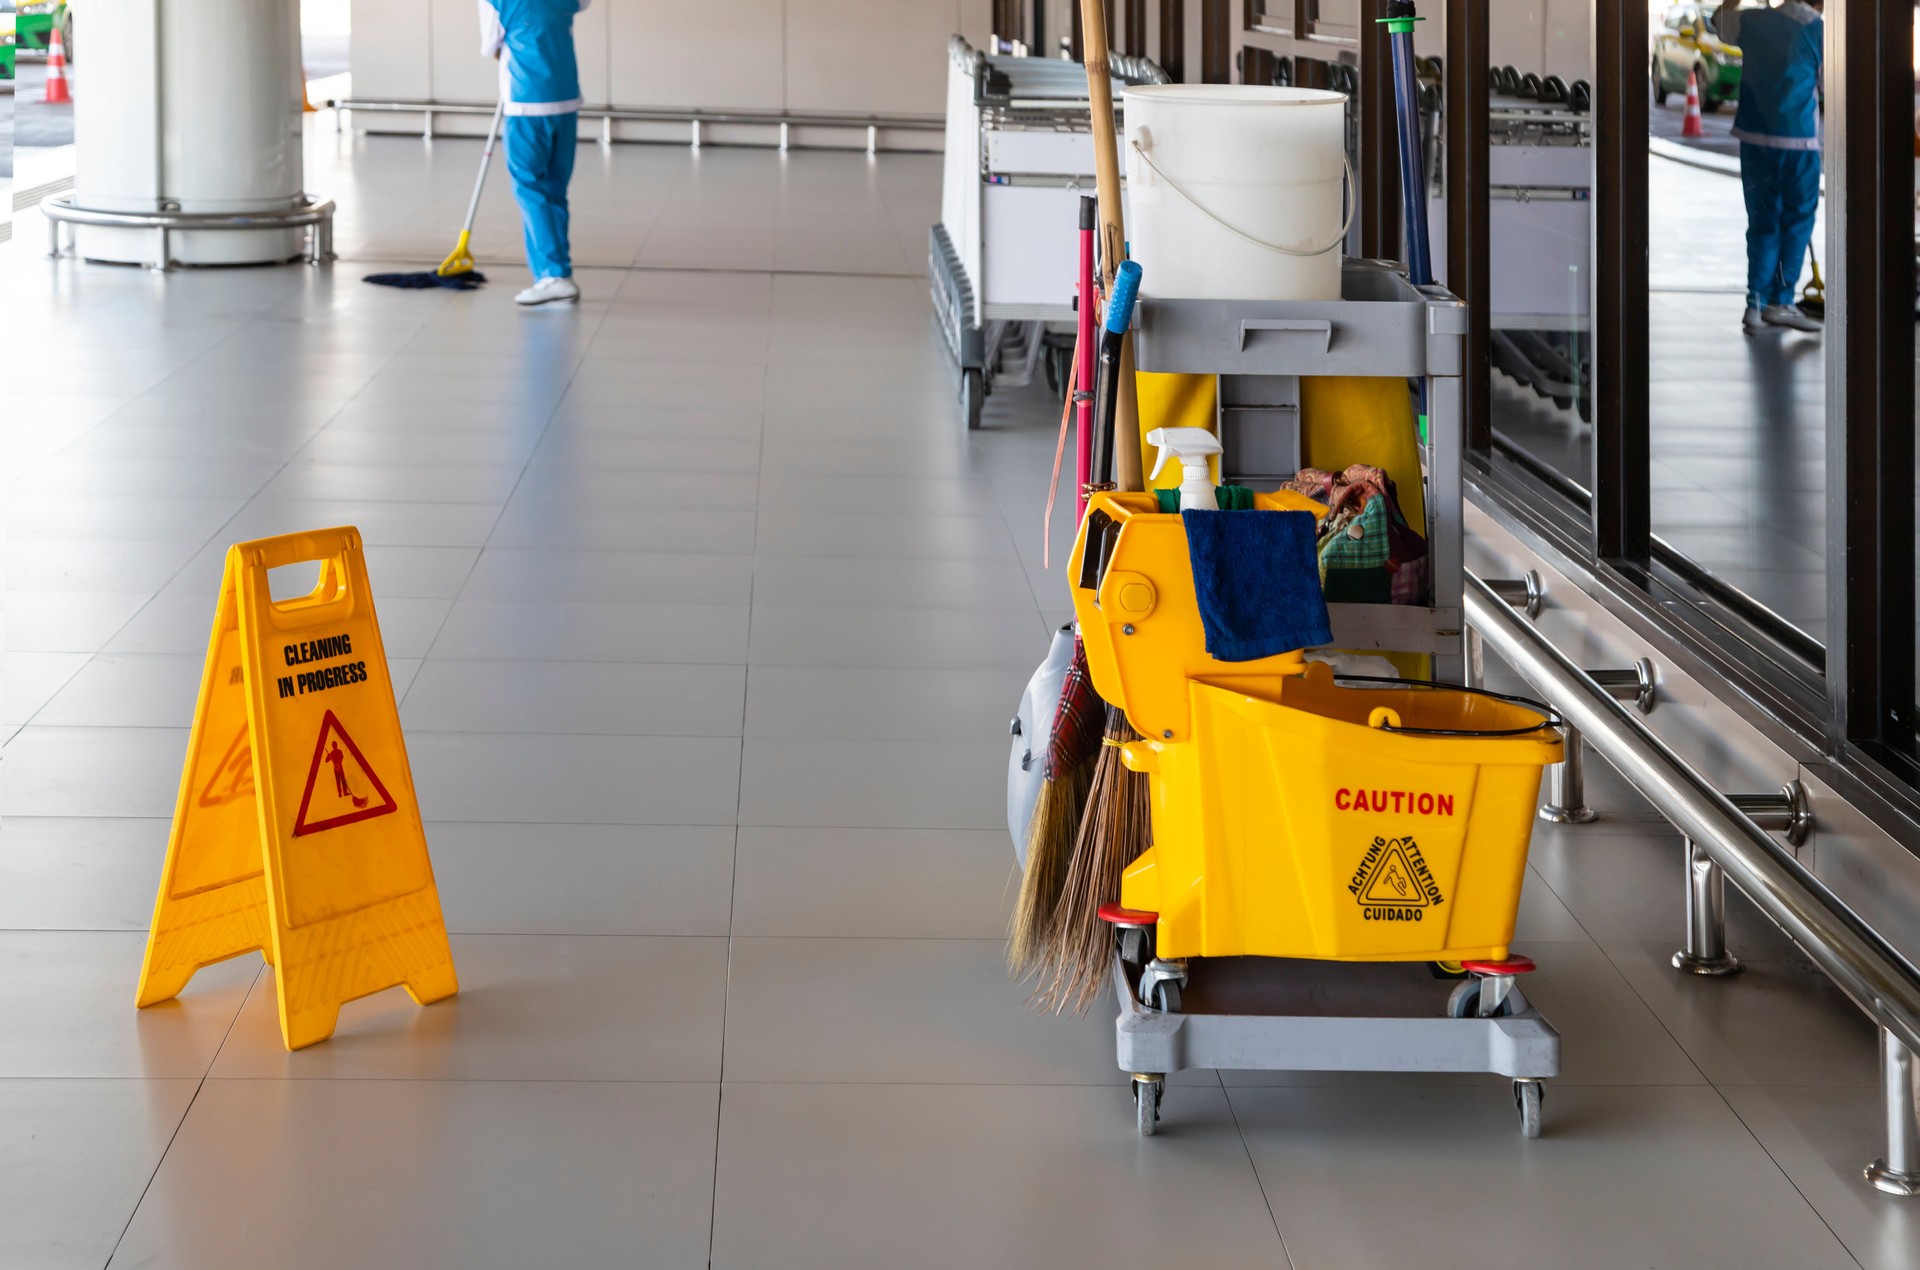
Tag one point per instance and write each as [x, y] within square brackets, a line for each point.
[466, 281]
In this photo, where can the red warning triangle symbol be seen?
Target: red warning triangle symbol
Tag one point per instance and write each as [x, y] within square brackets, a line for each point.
[350, 790]
[233, 779]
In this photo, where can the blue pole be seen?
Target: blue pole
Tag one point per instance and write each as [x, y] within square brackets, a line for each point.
[1413, 176]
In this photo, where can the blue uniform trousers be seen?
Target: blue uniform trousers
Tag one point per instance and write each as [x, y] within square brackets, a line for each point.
[1783, 192]
[540, 160]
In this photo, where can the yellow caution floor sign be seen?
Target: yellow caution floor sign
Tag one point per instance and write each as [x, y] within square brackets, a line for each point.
[296, 832]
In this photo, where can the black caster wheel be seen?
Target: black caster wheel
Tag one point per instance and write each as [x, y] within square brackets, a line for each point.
[973, 395]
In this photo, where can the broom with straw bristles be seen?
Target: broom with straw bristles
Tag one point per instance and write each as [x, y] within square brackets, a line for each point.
[1113, 833]
[1114, 827]
[1072, 746]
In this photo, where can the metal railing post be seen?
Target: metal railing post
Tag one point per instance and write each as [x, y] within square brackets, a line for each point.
[1898, 1171]
[1705, 952]
[1524, 592]
[1566, 801]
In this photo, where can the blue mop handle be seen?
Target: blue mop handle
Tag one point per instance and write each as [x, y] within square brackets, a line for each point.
[1413, 176]
[1126, 288]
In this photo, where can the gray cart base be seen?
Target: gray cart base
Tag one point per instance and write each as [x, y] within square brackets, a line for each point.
[1268, 1014]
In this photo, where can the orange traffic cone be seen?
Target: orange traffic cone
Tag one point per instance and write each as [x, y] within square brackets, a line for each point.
[1692, 128]
[55, 92]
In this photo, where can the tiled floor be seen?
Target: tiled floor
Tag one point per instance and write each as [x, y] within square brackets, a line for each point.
[1738, 463]
[722, 846]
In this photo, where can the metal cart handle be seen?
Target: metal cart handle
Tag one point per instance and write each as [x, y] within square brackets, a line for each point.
[1323, 327]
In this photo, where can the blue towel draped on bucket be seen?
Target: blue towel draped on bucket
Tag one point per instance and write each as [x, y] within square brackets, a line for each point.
[1257, 578]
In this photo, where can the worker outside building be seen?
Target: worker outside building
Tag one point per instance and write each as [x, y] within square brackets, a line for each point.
[1778, 125]
[540, 84]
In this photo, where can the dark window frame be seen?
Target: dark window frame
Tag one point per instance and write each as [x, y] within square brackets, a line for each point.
[1856, 701]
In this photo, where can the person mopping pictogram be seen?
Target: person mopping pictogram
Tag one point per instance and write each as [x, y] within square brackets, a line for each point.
[341, 789]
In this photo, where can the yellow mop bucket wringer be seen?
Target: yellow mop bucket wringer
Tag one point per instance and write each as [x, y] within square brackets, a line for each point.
[1296, 814]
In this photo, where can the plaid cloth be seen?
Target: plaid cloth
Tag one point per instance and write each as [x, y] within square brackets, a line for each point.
[1079, 720]
[1368, 552]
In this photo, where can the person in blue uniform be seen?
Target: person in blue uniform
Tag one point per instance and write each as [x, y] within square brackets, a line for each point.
[1778, 125]
[540, 83]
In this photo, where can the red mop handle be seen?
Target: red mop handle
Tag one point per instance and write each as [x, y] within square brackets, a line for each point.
[1083, 350]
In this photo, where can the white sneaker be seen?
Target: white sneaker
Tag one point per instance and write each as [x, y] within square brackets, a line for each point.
[549, 291]
[1753, 320]
[1788, 316]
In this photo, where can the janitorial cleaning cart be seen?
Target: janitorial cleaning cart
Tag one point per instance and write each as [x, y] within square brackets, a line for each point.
[1336, 835]
[1336, 862]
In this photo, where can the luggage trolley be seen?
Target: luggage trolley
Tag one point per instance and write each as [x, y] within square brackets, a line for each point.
[1002, 260]
[1336, 865]
[1539, 160]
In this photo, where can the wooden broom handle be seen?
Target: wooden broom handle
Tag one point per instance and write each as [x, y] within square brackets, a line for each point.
[1113, 232]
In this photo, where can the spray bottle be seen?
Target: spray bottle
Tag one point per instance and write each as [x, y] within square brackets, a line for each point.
[1193, 447]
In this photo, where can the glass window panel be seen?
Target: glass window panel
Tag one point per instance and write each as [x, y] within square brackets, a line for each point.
[1738, 405]
[1539, 231]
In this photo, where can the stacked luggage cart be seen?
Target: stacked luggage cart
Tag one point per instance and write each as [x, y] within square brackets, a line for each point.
[1002, 259]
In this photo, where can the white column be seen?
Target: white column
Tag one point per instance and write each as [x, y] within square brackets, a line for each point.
[190, 106]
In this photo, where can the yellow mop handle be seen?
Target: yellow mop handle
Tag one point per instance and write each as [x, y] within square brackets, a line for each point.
[460, 260]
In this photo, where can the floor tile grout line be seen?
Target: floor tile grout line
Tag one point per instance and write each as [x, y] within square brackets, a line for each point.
[1784, 1174]
[1240, 1132]
[217, 534]
[145, 391]
[175, 1135]
[519, 479]
[733, 876]
[1561, 901]
[1400, 1080]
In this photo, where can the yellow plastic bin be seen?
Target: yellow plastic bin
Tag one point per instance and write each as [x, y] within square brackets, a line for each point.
[1140, 625]
[1289, 820]
[1340, 822]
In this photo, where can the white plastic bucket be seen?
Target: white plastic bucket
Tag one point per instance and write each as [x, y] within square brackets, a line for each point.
[1237, 191]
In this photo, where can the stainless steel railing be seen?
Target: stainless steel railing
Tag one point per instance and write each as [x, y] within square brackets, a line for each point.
[1878, 979]
[1873, 974]
[696, 120]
